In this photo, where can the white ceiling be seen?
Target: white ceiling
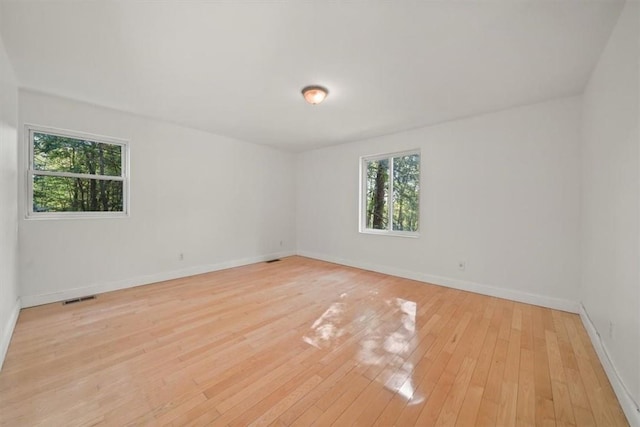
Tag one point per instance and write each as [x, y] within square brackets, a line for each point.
[236, 67]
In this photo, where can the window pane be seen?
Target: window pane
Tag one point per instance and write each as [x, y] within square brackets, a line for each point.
[406, 190]
[64, 154]
[377, 194]
[64, 194]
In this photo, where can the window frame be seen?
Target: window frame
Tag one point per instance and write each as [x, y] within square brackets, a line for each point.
[362, 223]
[30, 129]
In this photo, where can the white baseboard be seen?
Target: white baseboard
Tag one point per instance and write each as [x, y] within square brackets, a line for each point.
[33, 300]
[7, 331]
[629, 406]
[525, 297]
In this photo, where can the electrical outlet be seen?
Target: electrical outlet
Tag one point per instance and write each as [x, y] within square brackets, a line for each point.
[462, 265]
[280, 242]
[181, 256]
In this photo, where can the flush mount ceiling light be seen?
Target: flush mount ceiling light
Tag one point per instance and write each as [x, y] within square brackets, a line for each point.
[314, 94]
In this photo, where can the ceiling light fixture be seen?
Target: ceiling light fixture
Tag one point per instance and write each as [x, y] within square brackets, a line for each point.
[314, 94]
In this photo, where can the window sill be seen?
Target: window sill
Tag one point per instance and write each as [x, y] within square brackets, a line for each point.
[76, 215]
[391, 233]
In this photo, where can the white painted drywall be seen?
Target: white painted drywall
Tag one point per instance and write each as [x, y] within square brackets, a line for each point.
[499, 191]
[9, 304]
[219, 201]
[610, 290]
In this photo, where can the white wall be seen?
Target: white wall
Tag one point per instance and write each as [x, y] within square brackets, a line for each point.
[9, 304]
[610, 202]
[500, 191]
[220, 201]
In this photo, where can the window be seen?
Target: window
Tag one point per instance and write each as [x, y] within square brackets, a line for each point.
[390, 194]
[76, 175]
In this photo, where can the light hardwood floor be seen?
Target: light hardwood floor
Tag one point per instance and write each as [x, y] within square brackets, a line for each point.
[302, 342]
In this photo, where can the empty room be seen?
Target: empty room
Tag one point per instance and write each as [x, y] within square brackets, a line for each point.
[296, 213]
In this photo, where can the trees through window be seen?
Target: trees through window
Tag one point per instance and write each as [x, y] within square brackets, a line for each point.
[391, 193]
[72, 174]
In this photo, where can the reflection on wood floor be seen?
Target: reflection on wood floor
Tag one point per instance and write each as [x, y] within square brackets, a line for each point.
[302, 342]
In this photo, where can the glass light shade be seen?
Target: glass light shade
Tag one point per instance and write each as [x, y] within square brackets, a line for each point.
[314, 94]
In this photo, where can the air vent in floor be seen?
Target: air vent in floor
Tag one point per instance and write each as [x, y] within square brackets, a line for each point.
[272, 260]
[75, 300]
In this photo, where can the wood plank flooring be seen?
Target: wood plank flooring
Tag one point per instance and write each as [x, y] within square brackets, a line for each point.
[302, 342]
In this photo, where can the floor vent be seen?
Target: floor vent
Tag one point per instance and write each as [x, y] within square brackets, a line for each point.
[75, 300]
[273, 260]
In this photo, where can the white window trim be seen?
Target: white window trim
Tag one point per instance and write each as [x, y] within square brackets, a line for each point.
[29, 130]
[363, 190]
